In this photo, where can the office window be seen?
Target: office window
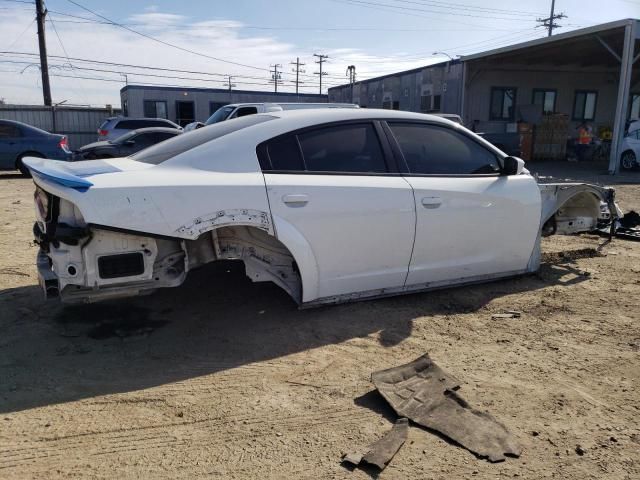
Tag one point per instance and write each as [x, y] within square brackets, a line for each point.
[545, 99]
[386, 104]
[155, 109]
[503, 103]
[634, 106]
[425, 103]
[584, 105]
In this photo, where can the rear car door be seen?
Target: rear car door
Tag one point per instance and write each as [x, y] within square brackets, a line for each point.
[11, 144]
[334, 184]
[472, 221]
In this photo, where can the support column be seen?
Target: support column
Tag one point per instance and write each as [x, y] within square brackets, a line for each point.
[622, 101]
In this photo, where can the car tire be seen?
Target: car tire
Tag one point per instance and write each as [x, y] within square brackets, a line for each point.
[628, 160]
[24, 170]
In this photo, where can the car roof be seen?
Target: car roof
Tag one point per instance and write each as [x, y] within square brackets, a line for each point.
[325, 115]
[24, 125]
[156, 129]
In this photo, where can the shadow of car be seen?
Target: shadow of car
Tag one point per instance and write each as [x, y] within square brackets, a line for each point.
[19, 140]
[125, 145]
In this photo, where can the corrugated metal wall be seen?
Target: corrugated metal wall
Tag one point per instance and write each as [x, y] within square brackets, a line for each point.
[79, 124]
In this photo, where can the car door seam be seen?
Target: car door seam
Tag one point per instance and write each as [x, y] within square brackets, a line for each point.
[415, 230]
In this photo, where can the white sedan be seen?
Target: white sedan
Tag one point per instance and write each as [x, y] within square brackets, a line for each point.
[331, 205]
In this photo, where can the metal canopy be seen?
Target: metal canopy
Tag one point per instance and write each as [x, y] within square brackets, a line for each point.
[611, 46]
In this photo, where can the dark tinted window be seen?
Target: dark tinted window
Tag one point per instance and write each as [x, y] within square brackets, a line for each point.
[162, 152]
[155, 109]
[284, 154]
[345, 148]
[429, 149]
[162, 136]
[503, 101]
[9, 131]
[144, 139]
[244, 111]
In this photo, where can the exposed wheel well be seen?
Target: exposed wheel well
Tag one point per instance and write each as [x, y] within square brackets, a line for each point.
[266, 259]
[29, 153]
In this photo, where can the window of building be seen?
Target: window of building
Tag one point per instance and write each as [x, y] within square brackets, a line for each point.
[155, 109]
[503, 103]
[386, 104]
[584, 105]
[634, 106]
[433, 150]
[545, 99]
[396, 105]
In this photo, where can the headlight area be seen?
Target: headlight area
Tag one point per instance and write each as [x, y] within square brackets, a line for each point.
[81, 263]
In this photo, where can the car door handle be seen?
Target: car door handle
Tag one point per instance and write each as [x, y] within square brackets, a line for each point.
[298, 200]
[431, 202]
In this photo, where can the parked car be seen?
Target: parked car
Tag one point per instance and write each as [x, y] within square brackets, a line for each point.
[19, 140]
[331, 205]
[630, 156]
[127, 144]
[236, 110]
[115, 127]
[193, 126]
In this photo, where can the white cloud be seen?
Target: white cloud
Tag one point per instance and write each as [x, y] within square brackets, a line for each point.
[220, 38]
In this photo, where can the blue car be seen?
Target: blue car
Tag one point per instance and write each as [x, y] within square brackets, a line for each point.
[19, 140]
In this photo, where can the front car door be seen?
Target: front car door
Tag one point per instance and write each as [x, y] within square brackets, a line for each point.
[472, 222]
[11, 143]
[333, 185]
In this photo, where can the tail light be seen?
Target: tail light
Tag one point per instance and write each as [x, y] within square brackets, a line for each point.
[103, 133]
[64, 144]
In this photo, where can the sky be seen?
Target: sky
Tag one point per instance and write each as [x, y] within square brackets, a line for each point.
[245, 38]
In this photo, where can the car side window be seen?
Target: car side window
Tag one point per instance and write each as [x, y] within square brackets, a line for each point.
[244, 111]
[285, 155]
[162, 136]
[344, 148]
[435, 150]
[144, 139]
[9, 131]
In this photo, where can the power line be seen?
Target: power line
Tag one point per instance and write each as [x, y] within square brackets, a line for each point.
[298, 71]
[549, 22]
[464, 6]
[193, 52]
[321, 60]
[22, 33]
[457, 11]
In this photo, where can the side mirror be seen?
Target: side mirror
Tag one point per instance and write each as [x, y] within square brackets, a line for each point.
[512, 166]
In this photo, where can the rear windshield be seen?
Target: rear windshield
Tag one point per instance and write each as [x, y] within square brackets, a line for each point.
[175, 146]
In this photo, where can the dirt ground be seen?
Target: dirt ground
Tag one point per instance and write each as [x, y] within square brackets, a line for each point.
[222, 378]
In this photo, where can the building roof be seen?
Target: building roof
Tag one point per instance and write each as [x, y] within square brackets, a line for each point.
[219, 90]
[595, 29]
[403, 72]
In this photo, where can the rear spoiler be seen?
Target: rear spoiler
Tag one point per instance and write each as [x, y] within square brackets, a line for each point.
[54, 171]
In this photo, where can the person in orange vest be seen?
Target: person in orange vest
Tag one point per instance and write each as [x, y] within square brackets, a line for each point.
[585, 135]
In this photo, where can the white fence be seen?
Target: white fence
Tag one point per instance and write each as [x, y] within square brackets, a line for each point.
[79, 124]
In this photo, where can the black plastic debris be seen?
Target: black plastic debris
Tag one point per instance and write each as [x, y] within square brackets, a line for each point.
[427, 395]
[380, 453]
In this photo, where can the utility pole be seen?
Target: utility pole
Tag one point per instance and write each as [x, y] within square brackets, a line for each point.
[549, 22]
[351, 71]
[320, 61]
[42, 43]
[297, 71]
[276, 76]
[229, 84]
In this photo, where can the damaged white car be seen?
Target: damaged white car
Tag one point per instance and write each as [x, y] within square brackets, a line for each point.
[331, 205]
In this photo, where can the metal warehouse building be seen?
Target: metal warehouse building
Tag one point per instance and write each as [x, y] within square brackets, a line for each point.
[553, 84]
[186, 105]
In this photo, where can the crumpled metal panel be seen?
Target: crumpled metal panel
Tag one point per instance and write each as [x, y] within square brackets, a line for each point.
[383, 450]
[426, 394]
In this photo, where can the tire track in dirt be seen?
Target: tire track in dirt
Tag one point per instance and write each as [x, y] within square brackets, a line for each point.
[136, 440]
